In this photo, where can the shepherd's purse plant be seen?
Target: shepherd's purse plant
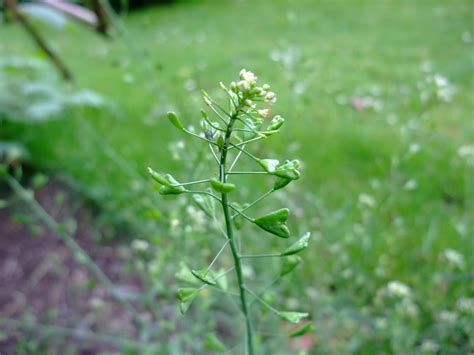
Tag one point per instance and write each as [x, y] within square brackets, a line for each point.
[236, 127]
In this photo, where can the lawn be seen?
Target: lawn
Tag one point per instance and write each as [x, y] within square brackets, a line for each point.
[378, 101]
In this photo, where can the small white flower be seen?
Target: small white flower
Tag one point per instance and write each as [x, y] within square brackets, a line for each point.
[264, 113]
[243, 85]
[398, 289]
[266, 87]
[248, 76]
[454, 257]
[270, 97]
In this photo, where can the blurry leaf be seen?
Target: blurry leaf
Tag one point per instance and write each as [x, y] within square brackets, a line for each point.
[238, 219]
[304, 329]
[184, 274]
[186, 297]
[221, 279]
[212, 343]
[293, 317]
[205, 203]
[289, 264]
[298, 246]
[3, 203]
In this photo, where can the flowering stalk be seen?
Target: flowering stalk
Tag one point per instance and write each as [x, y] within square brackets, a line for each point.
[239, 126]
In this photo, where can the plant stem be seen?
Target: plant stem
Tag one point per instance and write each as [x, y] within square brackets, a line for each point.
[230, 235]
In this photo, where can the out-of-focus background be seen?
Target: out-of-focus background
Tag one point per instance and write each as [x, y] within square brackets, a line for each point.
[378, 101]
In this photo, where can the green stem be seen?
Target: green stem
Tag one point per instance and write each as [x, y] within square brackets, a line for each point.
[230, 235]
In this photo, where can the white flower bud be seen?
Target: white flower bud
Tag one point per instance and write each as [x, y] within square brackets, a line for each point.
[270, 97]
[264, 113]
[243, 85]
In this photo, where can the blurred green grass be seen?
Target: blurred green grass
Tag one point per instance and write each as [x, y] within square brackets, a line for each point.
[320, 57]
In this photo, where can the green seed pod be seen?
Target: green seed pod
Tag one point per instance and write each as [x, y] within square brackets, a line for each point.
[205, 276]
[289, 264]
[281, 183]
[175, 120]
[276, 123]
[186, 296]
[293, 317]
[158, 177]
[221, 186]
[170, 189]
[298, 246]
[304, 329]
[269, 165]
[269, 133]
[274, 223]
[288, 170]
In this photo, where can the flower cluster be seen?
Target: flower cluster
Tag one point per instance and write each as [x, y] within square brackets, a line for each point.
[247, 89]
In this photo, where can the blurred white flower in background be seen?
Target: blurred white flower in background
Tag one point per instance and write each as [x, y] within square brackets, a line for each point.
[398, 289]
[367, 200]
[454, 258]
[140, 245]
[465, 305]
